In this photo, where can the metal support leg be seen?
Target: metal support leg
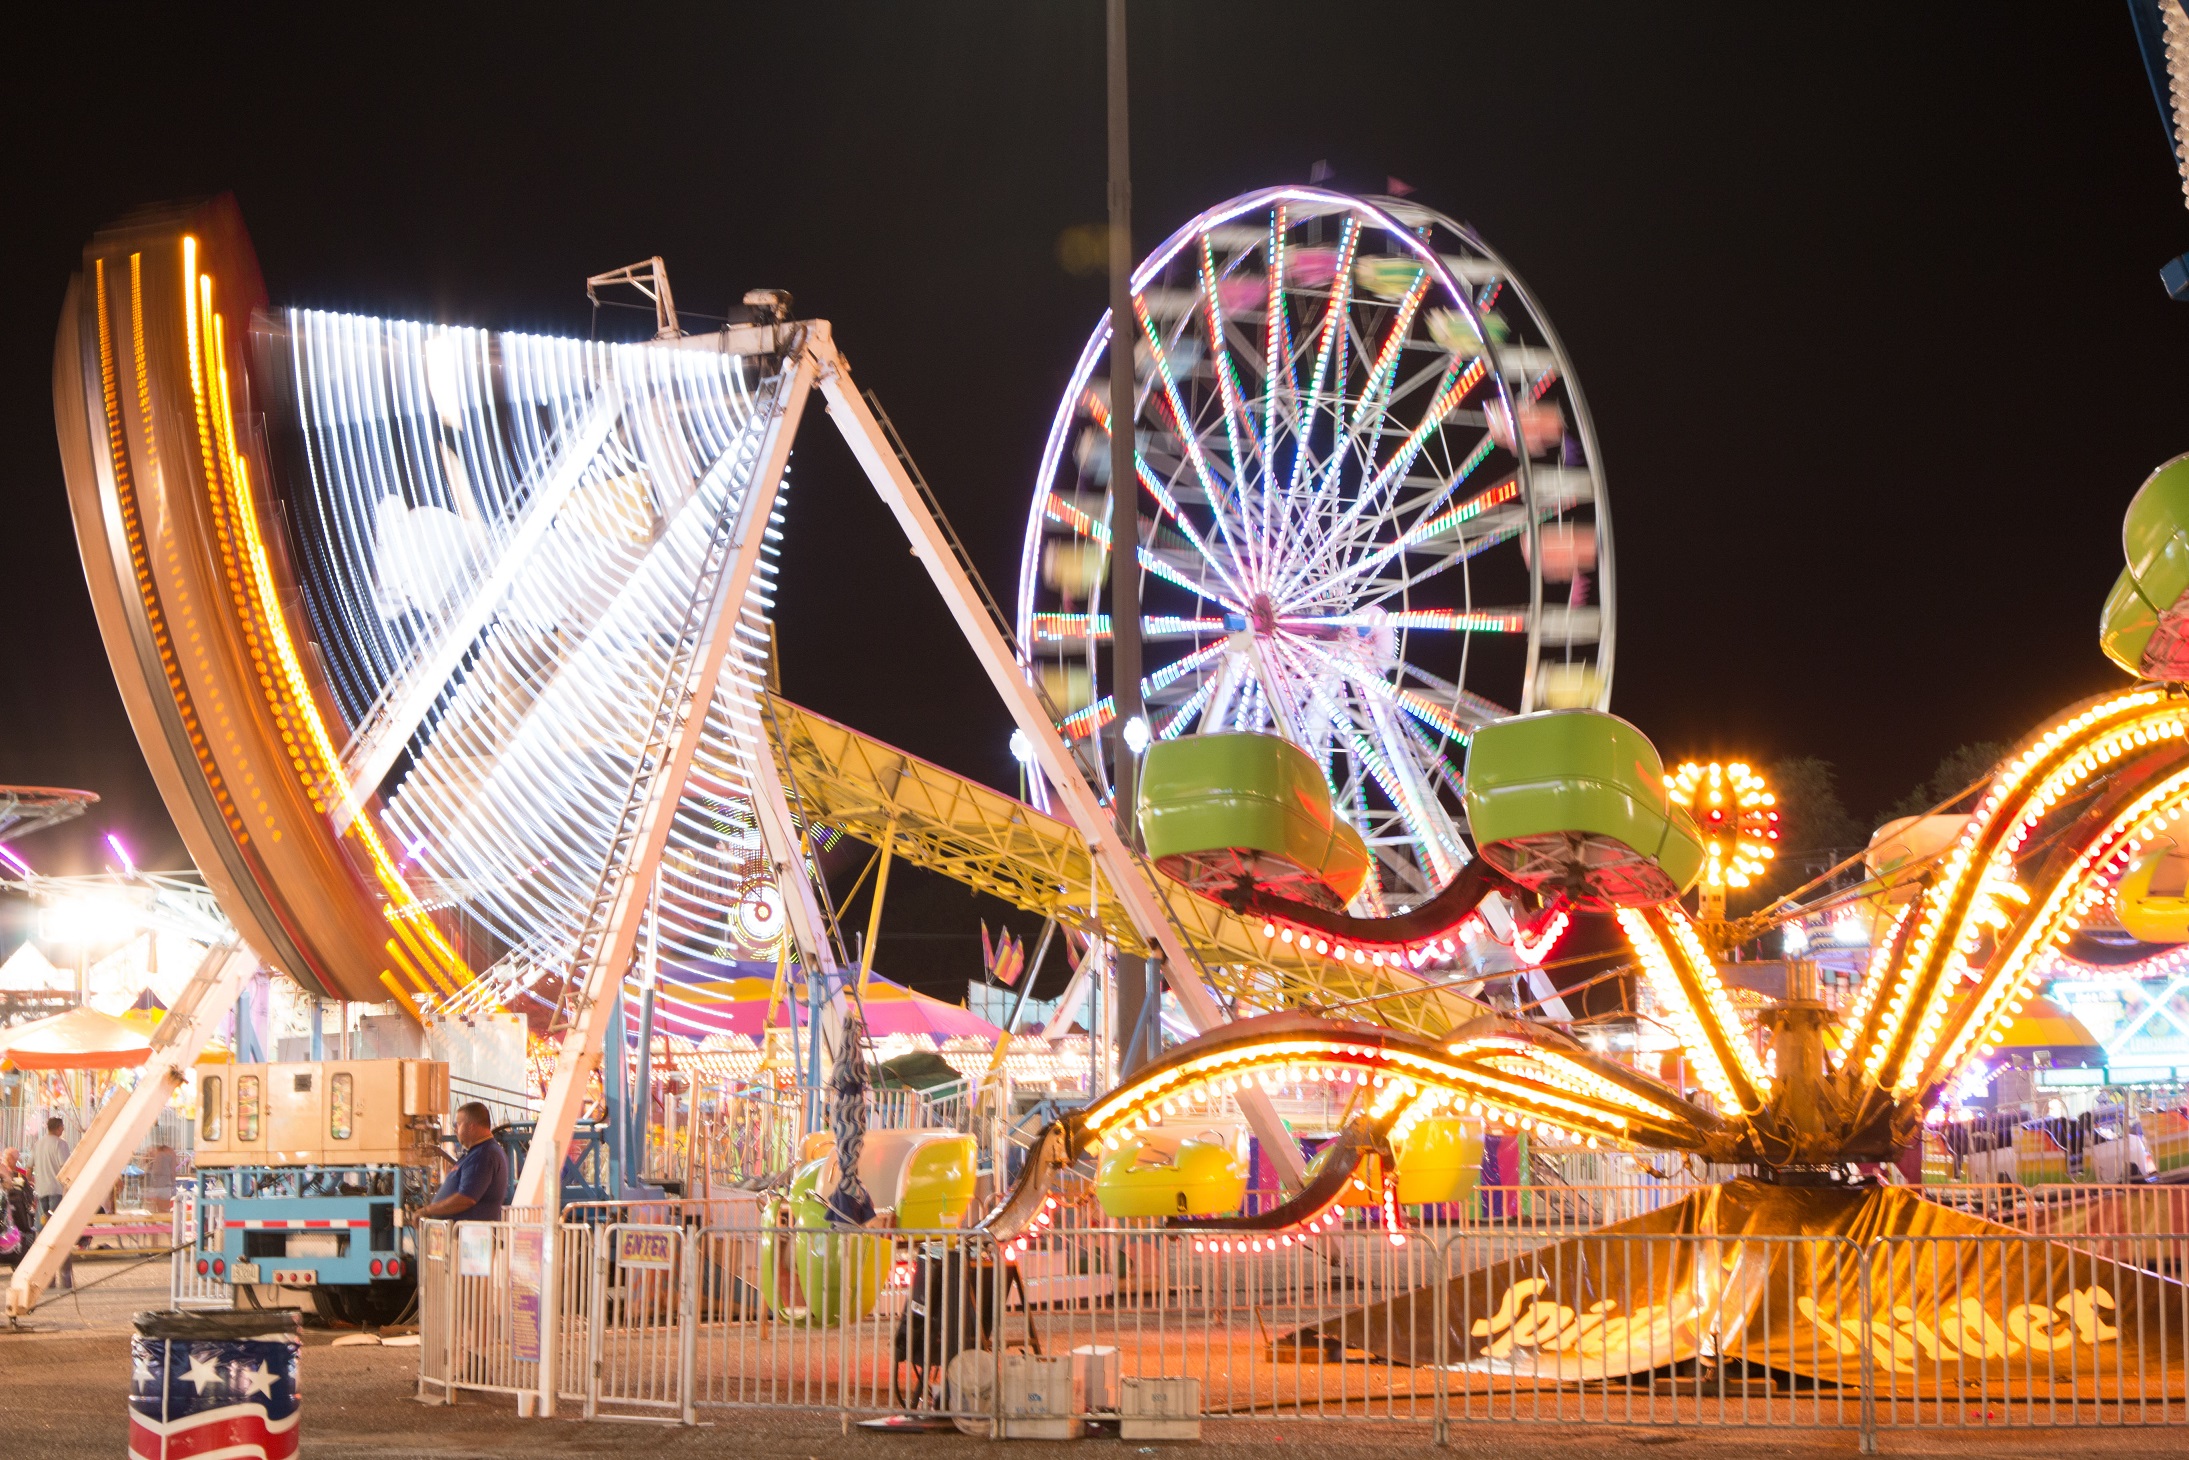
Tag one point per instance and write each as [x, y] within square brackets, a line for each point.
[175, 1047]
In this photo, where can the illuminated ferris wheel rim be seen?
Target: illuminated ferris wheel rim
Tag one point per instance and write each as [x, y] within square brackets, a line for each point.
[1391, 215]
[1408, 231]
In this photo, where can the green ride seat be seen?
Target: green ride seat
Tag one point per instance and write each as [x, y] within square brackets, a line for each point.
[1222, 811]
[1574, 801]
[2144, 627]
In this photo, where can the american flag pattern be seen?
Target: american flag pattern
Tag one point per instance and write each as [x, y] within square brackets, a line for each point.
[195, 1399]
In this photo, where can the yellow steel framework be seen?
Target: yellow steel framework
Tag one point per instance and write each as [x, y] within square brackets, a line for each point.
[936, 819]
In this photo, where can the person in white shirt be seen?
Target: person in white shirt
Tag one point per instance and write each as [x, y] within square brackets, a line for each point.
[48, 1154]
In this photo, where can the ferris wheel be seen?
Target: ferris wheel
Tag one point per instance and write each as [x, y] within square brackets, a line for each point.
[1372, 509]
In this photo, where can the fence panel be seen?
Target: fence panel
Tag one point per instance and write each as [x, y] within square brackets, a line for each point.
[1634, 1329]
[641, 1307]
[1990, 1331]
[480, 1293]
[1487, 1324]
[574, 1256]
[856, 1323]
[436, 1338]
[1247, 1315]
[185, 1288]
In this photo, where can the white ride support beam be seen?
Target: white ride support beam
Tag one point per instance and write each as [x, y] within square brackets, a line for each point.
[780, 839]
[190, 1021]
[539, 1182]
[390, 725]
[933, 548]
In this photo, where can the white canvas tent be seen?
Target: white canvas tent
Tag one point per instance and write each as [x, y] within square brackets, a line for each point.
[28, 971]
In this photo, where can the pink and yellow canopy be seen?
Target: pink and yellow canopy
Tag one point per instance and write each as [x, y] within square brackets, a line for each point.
[739, 1005]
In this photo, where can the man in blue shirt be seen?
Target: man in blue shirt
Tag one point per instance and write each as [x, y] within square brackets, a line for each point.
[474, 1190]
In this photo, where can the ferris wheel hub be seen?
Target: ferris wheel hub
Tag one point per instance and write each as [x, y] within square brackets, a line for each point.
[1262, 616]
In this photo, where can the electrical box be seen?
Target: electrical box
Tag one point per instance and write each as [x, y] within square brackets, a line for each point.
[1159, 1409]
[321, 1113]
[425, 1087]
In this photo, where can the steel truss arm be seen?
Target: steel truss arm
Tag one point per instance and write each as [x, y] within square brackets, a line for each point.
[182, 1034]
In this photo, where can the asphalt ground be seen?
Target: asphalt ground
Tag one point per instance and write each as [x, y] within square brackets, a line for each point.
[64, 1385]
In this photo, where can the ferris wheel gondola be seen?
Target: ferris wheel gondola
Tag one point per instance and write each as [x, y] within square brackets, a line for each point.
[1373, 511]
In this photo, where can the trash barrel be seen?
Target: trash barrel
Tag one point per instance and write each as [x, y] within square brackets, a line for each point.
[214, 1383]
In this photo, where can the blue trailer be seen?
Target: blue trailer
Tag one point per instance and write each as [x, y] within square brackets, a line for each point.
[311, 1175]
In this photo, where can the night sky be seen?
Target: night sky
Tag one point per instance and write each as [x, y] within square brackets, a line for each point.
[1865, 303]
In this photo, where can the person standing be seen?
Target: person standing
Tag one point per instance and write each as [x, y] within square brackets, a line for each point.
[16, 1221]
[48, 1154]
[476, 1188]
[159, 1178]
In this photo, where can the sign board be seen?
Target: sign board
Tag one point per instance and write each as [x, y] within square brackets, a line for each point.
[527, 1251]
[474, 1249]
[646, 1248]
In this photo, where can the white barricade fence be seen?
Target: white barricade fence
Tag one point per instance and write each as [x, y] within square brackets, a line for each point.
[669, 1319]
[186, 1289]
[839, 1321]
[494, 1300]
[1647, 1329]
[2029, 1332]
[640, 1321]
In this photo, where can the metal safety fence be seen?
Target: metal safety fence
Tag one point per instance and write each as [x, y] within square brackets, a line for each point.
[674, 1320]
[187, 1288]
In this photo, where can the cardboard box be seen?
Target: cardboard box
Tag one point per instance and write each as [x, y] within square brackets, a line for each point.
[1159, 1409]
[1095, 1372]
[1042, 1398]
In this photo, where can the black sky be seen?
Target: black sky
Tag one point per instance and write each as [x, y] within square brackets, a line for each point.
[1864, 298]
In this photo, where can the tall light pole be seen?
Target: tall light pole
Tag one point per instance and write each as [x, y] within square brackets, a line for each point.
[1136, 986]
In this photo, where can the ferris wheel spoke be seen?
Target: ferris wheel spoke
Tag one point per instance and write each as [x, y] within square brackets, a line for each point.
[1230, 396]
[1474, 547]
[1342, 339]
[1430, 820]
[1099, 411]
[1224, 689]
[1443, 522]
[1089, 719]
[1079, 628]
[1182, 421]
[1374, 402]
[1355, 528]
[1463, 705]
[1330, 337]
[1280, 367]
[1393, 769]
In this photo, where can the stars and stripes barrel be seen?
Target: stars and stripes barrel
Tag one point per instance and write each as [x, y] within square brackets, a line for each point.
[213, 1384]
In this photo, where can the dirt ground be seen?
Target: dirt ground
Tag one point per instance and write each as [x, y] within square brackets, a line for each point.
[64, 1381]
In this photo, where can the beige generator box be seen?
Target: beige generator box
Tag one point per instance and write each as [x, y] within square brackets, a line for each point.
[322, 1113]
[1041, 1398]
[1159, 1409]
